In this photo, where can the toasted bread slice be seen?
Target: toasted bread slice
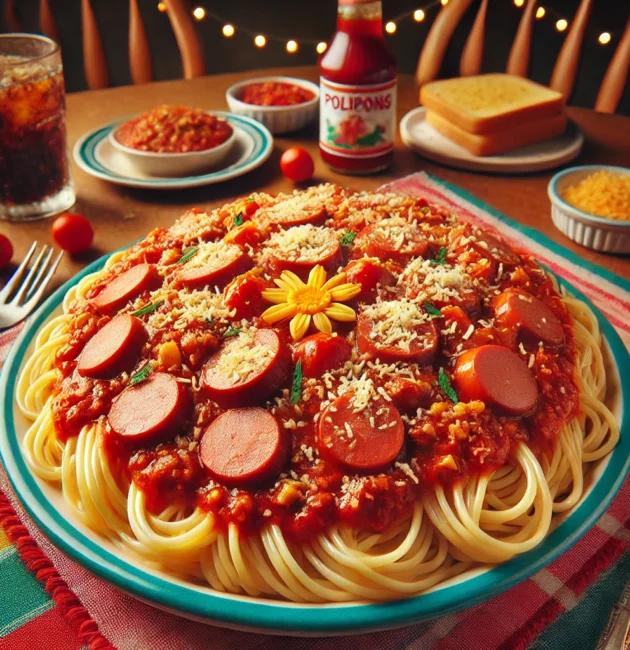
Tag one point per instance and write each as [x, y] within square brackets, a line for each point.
[501, 141]
[490, 102]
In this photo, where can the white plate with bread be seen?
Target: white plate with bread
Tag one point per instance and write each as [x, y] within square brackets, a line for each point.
[492, 122]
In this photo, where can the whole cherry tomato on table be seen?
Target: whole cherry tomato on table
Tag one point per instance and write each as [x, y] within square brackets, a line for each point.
[297, 164]
[6, 251]
[72, 232]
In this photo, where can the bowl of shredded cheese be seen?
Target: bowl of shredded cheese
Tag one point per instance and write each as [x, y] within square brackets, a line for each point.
[591, 206]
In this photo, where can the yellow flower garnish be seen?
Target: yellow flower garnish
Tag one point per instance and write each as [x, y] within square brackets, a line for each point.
[315, 300]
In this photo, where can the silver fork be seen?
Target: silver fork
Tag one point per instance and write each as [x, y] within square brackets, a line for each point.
[27, 285]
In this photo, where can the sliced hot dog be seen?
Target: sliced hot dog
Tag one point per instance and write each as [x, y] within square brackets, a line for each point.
[497, 376]
[371, 274]
[153, 410]
[364, 440]
[518, 309]
[299, 209]
[246, 369]
[301, 248]
[322, 352]
[486, 245]
[215, 265]
[113, 349]
[396, 330]
[244, 446]
[128, 285]
[395, 239]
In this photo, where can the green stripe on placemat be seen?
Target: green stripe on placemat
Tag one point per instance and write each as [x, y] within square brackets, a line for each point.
[537, 236]
[22, 598]
[582, 626]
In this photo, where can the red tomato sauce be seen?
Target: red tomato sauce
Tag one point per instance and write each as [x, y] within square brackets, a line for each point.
[174, 129]
[276, 93]
[444, 442]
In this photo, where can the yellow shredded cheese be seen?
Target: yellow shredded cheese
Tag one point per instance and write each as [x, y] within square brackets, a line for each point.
[603, 194]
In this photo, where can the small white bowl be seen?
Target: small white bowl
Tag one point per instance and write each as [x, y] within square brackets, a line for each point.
[278, 119]
[598, 233]
[174, 164]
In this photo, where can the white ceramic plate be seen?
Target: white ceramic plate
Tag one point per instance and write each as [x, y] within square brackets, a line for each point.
[252, 146]
[422, 138]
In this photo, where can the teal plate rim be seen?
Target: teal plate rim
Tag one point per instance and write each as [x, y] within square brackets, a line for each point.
[278, 616]
[84, 154]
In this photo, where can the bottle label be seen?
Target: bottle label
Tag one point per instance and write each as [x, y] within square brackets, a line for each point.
[357, 121]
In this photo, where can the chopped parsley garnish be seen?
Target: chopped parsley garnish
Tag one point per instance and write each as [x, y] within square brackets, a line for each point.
[232, 331]
[141, 375]
[445, 385]
[147, 309]
[432, 310]
[188, 253]
[441, 257]
[250, 199]
[347, 239]
[296, 384]
[238, 219]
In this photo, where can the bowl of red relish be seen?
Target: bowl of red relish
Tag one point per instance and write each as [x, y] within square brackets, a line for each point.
[282, 104]
[174, 140]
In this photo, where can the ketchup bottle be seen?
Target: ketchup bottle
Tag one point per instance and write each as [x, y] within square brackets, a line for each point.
[358, 80]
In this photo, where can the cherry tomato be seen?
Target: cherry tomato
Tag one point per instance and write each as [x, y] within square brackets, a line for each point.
[297, 164]
[322, 352]
[72, 232]
[6, 251]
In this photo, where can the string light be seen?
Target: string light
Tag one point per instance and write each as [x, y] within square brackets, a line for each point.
[199, 13]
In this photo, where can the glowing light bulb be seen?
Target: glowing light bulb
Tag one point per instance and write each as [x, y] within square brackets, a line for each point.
[260, 41]
[228, 31]
[292, 47]
[604, 38]
[540, 12]
[161, 6]
[519, 3]
[199, 13]
[321, 47]
[390, 27]
[561, 25]
[418, 15]
[444, 2]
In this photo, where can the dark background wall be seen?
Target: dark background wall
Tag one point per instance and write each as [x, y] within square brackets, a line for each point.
[315, 19]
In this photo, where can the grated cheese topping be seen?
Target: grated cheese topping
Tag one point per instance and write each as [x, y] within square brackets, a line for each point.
[302, 243]
[394, 323]
[402, 234]
[241, 358]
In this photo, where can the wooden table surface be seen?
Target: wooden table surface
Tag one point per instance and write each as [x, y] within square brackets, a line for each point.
[120, 215]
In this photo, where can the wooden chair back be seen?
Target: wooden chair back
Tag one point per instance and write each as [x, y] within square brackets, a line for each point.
[94, 60]
[566, 67]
